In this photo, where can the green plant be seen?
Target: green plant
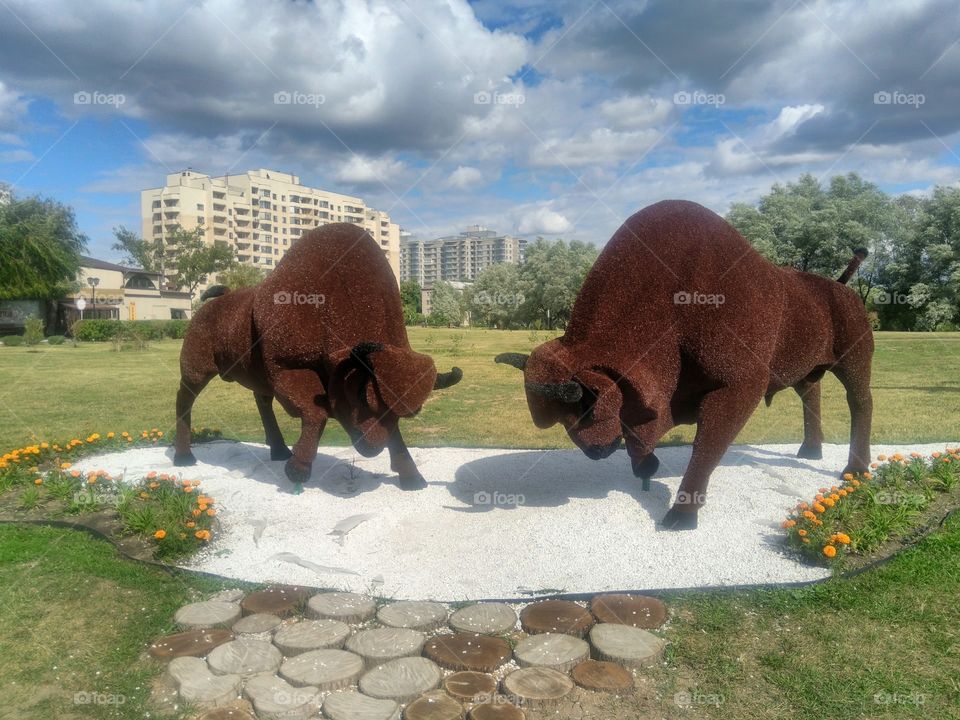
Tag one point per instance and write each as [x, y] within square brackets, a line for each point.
[13, 340]
[32, 330]
[30, 498]
[56, 340]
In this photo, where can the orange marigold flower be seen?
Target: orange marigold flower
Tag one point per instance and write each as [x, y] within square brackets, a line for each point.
[935, 454]
[874, 465]
[829, 502]
[64, 466]
[817, 521]
[829, 550]
[819, 508]
[809, 515]
[802, 506]
[38, 481]
[187, 489]
[151, 475]
[843, 538]
[914, 454]
[855, 483]
[211, 512]
[196, 512]
[92, 480]
[806, 540]
[202, 506]
[881, 458]
[868, 475]
[145, 495]
[802, 533]
[842, 493]
[75, 473]
[190, 524]
[160, 534]
[110, 436]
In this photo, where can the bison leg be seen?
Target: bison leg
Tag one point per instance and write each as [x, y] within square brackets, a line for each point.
[812, 447]
[402, 463]
[186, 395]
[723, 413]
[278, 446]
[641, 442]
[855, 378]
[298, 392]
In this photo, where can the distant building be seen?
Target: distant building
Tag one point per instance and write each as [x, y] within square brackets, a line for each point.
[457, 258]
[260, 213]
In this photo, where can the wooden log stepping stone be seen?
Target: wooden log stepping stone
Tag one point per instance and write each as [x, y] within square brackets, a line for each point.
[499, 709]
[275, 699]
[402, 680]
[485, 619]
[424, 616]
[343, 606]
[468, 685]
[351, 705]
[636, 610]
[200, 687]
[536, 685]
[602, 675]
[379, 645]
[228, 713]
[551, 650]
[325, 669]
[556, 616]
[193, 643]
[207, 614]
[310, 635]
[280, 600]
[461, 651]
[245, 657]
[256, 624]
[234, 595]
[433, 706]
[626, 645]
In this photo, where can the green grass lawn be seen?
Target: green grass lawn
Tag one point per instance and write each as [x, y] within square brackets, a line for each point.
[56, 393]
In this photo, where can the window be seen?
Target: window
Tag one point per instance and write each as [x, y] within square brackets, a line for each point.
[176, 314]
[200, 207]
[140, 282]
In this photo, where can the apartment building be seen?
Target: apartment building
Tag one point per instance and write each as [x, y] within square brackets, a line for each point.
[457, 258]
[261, 213]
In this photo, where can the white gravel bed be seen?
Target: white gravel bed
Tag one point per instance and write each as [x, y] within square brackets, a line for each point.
[496, 524]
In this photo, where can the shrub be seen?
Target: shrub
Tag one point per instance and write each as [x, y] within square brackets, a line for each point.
[176, 329]
[32, 330]
[55, 340]
[129, 330]
[13, 340]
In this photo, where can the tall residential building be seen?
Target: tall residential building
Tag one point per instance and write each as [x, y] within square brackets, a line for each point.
[260, 213]
[457, 257]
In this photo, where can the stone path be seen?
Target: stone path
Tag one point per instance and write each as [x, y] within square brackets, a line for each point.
[283, 652]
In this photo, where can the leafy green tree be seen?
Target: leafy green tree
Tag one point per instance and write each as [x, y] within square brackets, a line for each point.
[550, 279]
[240, 275]
[446, 305]
[410, 297]
[138, 252]
[495, 297]
[40, 248]
[195, 260]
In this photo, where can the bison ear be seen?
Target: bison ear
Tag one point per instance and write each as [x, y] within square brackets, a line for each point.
[404, 378]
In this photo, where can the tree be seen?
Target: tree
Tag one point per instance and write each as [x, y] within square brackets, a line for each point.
[446, 305]
[239, 275]
[410, 297]
[40, 248]
[550, 279]
[138, 252]
[495, 297]
[195, 259]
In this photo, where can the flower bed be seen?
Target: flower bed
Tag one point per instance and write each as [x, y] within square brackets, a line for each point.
[170, 512]
[868, 509]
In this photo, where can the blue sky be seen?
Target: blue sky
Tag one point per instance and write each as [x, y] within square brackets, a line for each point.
[535, 118]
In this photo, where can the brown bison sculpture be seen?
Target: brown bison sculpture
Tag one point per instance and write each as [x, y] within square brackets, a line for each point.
[324, 335]
[681, 321]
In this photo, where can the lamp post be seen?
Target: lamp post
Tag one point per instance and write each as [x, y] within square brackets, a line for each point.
[93, 282]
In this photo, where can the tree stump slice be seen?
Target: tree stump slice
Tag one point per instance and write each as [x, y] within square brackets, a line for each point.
[326, 669]
[636, 610]
[500, 709]
[197, 685]
[379, 645]
[346, 607]
[433, 706]
[244, 657]
[602, 675]
[485, 619]
[461, 651]
[468, 685]
[552, 650]
[626, 645]
[192, 643]
[556, 616]
[235, 595]
[207, 614]
[256, 624]
[280, 600]
[537, 685]
[351, 705]
[423, 616]
[227, 713]
[401, 680]
[310, 635]
[275, 699]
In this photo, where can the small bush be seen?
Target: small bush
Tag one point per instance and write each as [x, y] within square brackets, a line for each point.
[129, 330]
[55, 340]
[32, 330]
[176, 329]
[13, 340]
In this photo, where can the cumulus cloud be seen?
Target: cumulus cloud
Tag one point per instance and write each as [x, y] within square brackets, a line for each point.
[359, 170]
[542, 221]
[465, 177]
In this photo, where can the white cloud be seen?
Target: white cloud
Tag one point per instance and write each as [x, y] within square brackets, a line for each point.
[465, 177]
[542, 221]
[363, 170]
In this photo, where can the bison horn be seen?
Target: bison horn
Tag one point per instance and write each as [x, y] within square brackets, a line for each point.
[518, 360]
[445, 380]
[568, 392]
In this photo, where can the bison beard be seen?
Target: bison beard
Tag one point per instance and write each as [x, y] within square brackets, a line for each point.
[325, 341]
[681, 321]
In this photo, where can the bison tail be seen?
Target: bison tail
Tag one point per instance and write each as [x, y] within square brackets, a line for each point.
[214, 291]
[859, 255]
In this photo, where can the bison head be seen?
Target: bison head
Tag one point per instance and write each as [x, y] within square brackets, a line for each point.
[373, 385]
[587, 399]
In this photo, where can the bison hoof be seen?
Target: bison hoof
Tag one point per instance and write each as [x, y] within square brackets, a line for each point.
[280, 453]
[810, 452]
[647, 467]
[412, 482]
[853, 470]
[295, 472]
[678, 520]
[184, 459]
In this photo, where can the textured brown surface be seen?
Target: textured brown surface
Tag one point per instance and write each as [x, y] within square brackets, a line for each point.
[537, 685]
[556, 616]
[280, 600]
[461, 651]
[467, 685]
[602, 675]
[196, 643]
[679, 321]
[636, 610]
[433, 706]
[496, 711]
[227, 713]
